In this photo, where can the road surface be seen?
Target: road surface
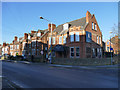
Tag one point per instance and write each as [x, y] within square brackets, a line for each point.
[44, 76]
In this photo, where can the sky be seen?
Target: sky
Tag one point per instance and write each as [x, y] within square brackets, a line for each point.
[22, 17]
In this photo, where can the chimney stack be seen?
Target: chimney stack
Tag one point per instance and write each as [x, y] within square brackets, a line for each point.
[13, 41]
[25, 35]
[15, 38]
[53, 27]
[4, 44]
[32, 31]
[88, 16]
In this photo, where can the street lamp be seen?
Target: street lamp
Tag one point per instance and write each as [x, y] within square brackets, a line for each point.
[110, 46]
[51, 36]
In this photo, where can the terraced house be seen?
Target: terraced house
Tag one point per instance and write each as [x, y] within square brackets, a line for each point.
[5, 50]
[80, 38]
[34, 43]
[14, 47]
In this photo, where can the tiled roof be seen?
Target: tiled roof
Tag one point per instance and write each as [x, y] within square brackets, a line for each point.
[79, 22]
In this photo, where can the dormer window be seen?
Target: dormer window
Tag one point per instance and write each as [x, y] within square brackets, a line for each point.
[38, 34]
[29, 37]
[65, 26]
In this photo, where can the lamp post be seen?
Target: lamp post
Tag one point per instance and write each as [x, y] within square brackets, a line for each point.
[110, 47]
[51, 36]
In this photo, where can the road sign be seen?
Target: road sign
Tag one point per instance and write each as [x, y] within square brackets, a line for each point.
[111, 48]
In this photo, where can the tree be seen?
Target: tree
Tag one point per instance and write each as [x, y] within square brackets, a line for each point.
[115, 37]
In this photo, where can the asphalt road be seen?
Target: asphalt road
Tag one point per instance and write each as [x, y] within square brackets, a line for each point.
[44, 76]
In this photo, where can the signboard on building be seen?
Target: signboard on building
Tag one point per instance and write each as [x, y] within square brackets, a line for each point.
[88, 36]
[111, 48]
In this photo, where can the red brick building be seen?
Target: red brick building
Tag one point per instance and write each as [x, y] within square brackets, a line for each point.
[14, 47]
[80, 38]
[5, 50]
[34, 43]
[114, 43]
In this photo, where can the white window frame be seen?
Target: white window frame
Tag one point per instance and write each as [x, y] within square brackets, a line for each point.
[53, 40]
[95, 26]
[92, 25]
[72, 52]
[11, 53]
[60, 40]
[77, 36]
[11, 47]
[97, 38]
[23, 45]
[29, 37]
[38, 34]
[64, 39]
[17, 46]
[49, 40]
[71, 37]
[65, 26]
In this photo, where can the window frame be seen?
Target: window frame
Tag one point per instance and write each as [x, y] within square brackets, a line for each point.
[49, 40]
[60, 41]
[64, 39]
[77, 35]
[77, 52]
[72, 35]
[72, 52]
[97, 38]
[53, 40]
[93, 26]
[38, 34]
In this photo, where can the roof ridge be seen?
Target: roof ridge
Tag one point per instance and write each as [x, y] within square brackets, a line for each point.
[72, 21]
[77, 19]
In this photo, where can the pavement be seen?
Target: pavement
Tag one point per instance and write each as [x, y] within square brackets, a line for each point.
[39, 75]
[70, 66]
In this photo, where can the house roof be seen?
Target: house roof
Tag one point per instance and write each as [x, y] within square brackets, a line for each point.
[79, 22]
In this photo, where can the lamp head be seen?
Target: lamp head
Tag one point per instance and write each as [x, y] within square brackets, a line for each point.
[41, 17]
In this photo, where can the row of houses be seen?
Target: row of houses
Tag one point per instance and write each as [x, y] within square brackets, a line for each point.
[81, 38]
